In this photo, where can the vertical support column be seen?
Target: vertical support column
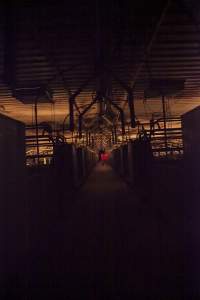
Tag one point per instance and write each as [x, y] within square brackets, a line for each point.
[89, 136]
[92, 138]
[123, 123]
[131, 108]
[72, 136]
[71, 113]
[36, 130]
[80, 127]
[115, 134]
[128, 132]
[84, 139]
[113, 137]
[165, 125]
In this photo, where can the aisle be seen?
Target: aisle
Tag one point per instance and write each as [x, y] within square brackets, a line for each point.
[110, 241]
[108, 246]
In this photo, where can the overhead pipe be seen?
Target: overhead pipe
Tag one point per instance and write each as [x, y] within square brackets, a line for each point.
[83, 113]
[72, 101]
[121, 112]
[92, 103]
[130, 99]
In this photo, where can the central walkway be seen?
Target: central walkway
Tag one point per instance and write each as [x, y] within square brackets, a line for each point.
[108, 247]
[110, 242]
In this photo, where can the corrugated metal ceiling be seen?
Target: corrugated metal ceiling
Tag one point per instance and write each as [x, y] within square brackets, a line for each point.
[56, 44]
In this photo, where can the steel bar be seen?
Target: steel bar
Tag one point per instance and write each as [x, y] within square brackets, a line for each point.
[41, 145]
[40, 156]
[168, 130]
[40, 137]
[169, 149]
[179, 137]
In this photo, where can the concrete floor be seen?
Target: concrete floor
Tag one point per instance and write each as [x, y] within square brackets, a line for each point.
[108, 245]
[113, 239]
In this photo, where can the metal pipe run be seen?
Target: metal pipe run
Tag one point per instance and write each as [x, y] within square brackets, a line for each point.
[121, 112]
[72, 101]
[130, 99]
[83, 113]
[36, 129]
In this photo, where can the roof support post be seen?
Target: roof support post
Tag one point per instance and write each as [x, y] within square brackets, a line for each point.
[130, 99]
[71, 113]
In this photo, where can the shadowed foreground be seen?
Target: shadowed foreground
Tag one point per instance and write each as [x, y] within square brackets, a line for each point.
[110, 244]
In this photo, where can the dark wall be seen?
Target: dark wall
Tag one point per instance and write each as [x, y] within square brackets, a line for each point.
[191, 139]
[191, 133]
[12, 202]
